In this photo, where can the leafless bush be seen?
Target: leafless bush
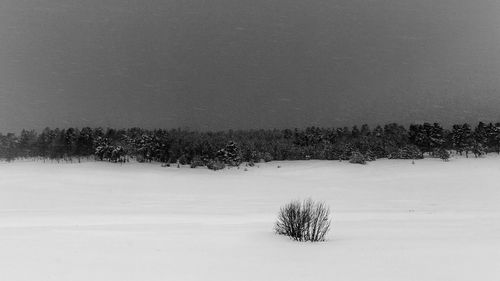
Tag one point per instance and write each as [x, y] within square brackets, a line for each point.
[304, 221]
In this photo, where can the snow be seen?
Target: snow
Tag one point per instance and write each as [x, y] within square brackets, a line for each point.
[392, 220]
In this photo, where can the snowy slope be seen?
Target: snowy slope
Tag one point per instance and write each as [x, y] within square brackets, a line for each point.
[391, 221]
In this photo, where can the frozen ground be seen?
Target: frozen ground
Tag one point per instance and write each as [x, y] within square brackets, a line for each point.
[392, 221]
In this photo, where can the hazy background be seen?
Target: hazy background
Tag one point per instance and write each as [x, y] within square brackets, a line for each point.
[219, 64]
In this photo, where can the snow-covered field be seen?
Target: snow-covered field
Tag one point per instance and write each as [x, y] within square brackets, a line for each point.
[391, 221]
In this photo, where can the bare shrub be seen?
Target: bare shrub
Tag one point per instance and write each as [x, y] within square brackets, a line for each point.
[304, 221]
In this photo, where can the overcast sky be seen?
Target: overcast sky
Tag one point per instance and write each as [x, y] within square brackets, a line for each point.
[219, 64]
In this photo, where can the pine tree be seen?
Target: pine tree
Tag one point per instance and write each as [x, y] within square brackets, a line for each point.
[480, 135]
[462, 138]
[230, 154]
[27, 143]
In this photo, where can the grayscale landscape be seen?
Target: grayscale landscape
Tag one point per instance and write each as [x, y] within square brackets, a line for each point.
[249, 140]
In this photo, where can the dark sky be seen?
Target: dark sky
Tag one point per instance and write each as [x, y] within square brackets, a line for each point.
[219, 64]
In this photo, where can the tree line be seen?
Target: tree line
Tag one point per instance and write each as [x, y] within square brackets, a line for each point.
[215, 149]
